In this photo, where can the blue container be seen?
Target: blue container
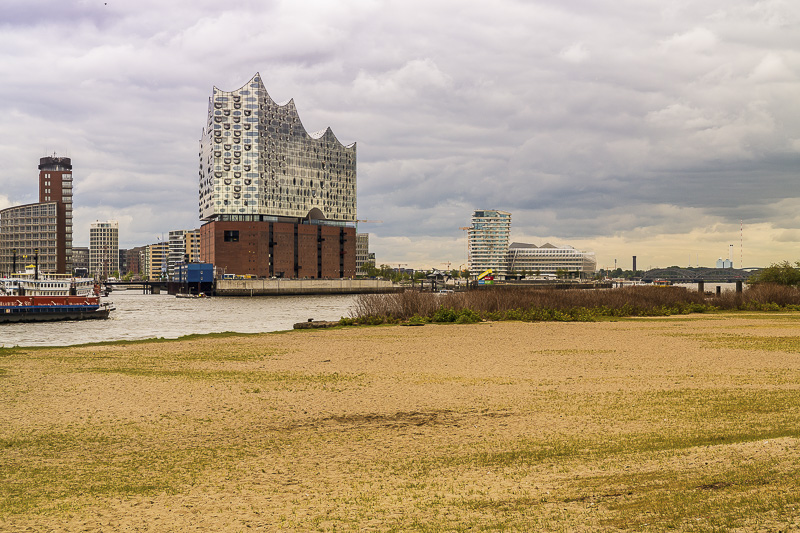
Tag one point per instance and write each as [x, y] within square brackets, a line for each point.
[194, 273]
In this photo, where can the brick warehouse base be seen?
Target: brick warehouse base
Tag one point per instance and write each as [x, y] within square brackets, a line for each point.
[279, 249]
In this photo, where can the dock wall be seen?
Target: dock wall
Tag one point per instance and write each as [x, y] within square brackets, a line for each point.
[276, 287]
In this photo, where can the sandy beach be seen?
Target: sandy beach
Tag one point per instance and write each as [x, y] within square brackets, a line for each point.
[689, 423]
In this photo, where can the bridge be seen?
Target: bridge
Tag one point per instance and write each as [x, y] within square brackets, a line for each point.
[698, 275]
[147, 287]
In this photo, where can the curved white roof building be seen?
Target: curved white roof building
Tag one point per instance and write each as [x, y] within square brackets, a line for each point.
[549, 259]
[258, 162]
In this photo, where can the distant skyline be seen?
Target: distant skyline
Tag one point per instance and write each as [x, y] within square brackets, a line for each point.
[624, 128]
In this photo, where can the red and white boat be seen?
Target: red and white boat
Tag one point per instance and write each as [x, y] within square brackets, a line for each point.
[34, 298]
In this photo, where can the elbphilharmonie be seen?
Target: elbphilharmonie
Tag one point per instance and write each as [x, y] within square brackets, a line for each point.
[278, 201]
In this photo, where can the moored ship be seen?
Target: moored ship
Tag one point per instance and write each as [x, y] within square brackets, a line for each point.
[31, 298]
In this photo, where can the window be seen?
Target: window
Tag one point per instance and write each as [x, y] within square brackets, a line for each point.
[231, 235]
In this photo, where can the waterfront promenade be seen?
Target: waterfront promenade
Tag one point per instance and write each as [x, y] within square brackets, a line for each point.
[683, 423]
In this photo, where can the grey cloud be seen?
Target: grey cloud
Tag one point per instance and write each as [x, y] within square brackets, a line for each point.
[585, 119]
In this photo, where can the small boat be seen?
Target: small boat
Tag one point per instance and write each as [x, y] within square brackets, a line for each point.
[184, 295]
[33, 298]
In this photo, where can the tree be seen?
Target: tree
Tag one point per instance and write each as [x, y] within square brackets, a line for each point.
[370, 270]
[780, 273]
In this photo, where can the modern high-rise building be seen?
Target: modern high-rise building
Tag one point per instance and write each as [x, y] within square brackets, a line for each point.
[487, 242]
[277, 200]
[103, 249]
[43, 229]
[55, 185]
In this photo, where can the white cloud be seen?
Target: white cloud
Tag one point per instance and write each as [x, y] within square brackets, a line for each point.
[5, 202]
[697, 40]
[773, 69]
[575, 53]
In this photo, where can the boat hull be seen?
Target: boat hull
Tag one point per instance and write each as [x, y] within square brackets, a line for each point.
[47, 309]
[51, 315]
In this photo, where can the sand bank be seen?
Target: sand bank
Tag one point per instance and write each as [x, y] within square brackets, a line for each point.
[640, 424]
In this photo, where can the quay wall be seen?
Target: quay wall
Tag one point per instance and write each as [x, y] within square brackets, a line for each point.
[276, 287]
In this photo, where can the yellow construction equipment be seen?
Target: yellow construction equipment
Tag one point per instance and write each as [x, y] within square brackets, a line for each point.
[485, 273]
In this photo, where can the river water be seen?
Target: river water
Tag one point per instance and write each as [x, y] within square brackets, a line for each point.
[143, 316]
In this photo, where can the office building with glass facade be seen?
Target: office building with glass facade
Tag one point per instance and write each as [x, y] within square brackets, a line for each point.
[277, 200]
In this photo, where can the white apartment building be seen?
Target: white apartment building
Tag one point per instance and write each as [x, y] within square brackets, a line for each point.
[487, 242]
[183, 244]
[103, 249]
[363, 255]
[550, 259]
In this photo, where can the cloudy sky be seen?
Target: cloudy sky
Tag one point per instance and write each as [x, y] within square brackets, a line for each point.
[665, 130]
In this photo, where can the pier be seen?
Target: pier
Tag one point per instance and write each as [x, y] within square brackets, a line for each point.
[276, 287]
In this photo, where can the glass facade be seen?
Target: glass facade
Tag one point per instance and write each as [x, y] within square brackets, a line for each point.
[487, 241]
[258, 161]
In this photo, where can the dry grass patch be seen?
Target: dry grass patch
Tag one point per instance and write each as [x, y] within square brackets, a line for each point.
[637, 426]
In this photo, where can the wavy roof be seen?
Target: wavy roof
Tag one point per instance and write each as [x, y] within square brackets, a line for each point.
[317, 135]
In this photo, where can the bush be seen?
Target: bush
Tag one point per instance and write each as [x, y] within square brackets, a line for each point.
[779, 274]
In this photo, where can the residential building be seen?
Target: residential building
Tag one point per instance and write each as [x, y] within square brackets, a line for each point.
[42, 229]
[133, 262]
[184, 247]
[80, 260]
[487, 242]
[156, 259]
[103, 249]
[28, 232]
[144, 262]
[276, 199]
[550, 260]
[55, 185]
[362, 253]
[122, 262]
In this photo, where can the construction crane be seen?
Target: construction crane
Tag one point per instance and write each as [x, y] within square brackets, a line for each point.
[448, 265]
[469, 256]
[371, 221]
